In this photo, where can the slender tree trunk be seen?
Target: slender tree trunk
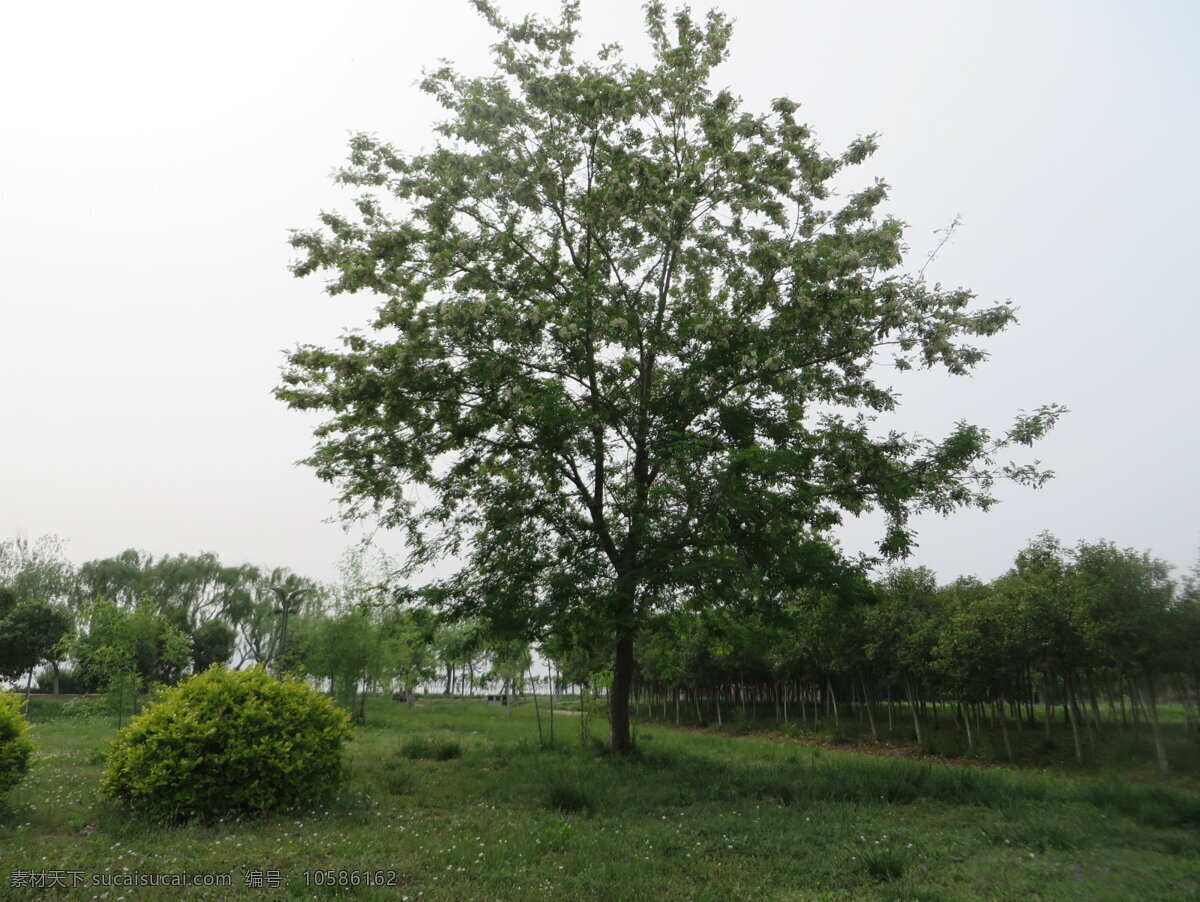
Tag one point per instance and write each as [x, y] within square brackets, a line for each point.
[1196, 690]
[552, 706]
[1133, 703]
[1068, 703]
[583, 715]
[1079, 712]
[1029, 692]
[717, 700]
[1188, 720]
[1091, 684]
[1046, 702]
[890, 706]
[1004, 730]
[536, 710]
[867, 705]
[832, 701]
[1159, 749]
[913, 709]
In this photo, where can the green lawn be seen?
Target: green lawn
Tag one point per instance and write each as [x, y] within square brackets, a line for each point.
[455, 800]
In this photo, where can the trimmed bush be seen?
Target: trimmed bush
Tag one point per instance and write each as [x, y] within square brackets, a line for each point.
[15, 747]
[228, 743]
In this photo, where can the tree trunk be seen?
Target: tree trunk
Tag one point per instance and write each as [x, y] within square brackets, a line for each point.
[867, 705]
[552, 705]
[1081, 711]
[1133, 703]
[1069, 704]
[1159, 749]
[1095, 703]
[1188, 720]
[618, 710]
[536, 710]
[913, 708]
[1046, 702]
[1004, 729]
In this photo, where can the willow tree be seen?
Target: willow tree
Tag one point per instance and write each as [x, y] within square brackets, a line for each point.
[625, 355]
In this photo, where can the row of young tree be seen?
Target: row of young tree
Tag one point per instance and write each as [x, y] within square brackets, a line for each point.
[1094, 634]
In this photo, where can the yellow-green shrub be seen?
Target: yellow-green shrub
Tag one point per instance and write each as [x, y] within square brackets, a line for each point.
[15, 747]
[228, 742]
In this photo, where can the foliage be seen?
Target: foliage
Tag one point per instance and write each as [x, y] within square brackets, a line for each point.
[228, 742]
[69, 681]
[212, 643]
[360, 641]
[15, 746]
[344, 648]
[188, 589]
[31, 634]
[36, 570]
[138, 641]
[620, 327]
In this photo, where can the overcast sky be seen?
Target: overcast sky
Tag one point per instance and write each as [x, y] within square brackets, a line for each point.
[154, 156]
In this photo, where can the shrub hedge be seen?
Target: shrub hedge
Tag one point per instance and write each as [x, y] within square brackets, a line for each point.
[15, 746]
[229, 743]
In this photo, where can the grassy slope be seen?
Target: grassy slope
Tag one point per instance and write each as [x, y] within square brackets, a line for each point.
[695, 816]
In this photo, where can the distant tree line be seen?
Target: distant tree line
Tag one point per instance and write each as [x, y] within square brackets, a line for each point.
[124, 624]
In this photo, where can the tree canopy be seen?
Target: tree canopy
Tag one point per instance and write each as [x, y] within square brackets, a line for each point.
[630, 344]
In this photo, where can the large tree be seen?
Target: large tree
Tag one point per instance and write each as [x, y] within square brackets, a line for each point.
[628, 346]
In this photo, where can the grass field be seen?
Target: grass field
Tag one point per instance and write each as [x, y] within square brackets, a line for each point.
[454, 800]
